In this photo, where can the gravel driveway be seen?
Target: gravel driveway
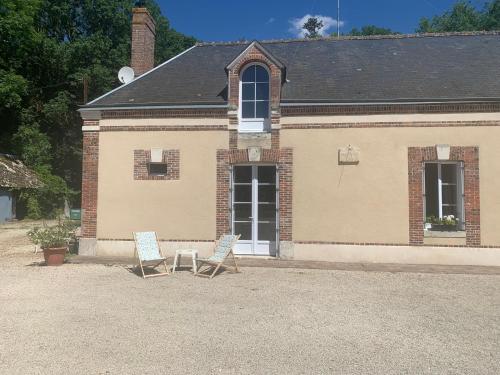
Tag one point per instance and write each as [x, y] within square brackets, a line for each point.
[95, 319]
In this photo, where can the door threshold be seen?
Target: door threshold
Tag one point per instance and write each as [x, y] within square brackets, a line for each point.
[267, 257]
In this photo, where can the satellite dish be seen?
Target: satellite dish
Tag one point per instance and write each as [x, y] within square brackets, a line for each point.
[126, 74]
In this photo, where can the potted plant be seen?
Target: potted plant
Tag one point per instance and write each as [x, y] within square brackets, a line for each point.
[445, 223]
[54, 241]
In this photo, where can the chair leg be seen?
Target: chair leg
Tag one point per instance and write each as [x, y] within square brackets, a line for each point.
[194, 262]
[142, 270]
[235, 264]
[215, 270]
[166, 267]
[175, 262]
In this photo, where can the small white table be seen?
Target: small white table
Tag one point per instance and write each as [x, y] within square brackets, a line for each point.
[179, 253]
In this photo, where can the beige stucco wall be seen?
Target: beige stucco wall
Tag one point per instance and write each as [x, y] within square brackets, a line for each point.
[181, 209]
[398, 254]
[369, 202]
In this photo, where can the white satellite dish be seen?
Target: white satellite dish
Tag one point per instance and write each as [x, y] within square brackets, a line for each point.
[126, 74]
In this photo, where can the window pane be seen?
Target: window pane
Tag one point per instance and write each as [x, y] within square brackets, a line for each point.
[431, 190]
[242, 174]
[449, 173]
[243, 193]
[267, 232]
[267, 212]
[262, 110]
[242, 211]
[248, 110]
[262, 91]
[449, 194]
[248, 91]
[267, 174]
[449, 210]
[261, 74]
[248, 74]
[245, 229]
[267, 193]
[158, 169]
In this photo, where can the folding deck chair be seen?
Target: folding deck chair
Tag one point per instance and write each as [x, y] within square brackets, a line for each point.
[223, 247]
[148, 250]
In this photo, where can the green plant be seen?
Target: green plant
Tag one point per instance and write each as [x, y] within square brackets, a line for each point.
[54, 236]
[445, 220]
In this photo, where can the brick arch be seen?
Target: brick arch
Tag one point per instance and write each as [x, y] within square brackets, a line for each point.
[252, 56]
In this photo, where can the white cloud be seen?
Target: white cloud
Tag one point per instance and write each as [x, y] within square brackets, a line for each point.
[270, 20]
[328, 24]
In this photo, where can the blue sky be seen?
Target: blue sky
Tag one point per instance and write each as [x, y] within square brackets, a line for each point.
[222, 20]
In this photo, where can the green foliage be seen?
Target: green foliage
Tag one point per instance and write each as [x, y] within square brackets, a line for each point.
[47, 49]
[449, 220]
[32, 145]
[12, 89]
[463, 16]
[55, 236]
[371, 30]
[312, 26]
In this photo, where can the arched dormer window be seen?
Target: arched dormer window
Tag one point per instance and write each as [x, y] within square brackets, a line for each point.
[254, 99]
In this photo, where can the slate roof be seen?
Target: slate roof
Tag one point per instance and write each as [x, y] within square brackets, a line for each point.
[398, 68]
[15, 175]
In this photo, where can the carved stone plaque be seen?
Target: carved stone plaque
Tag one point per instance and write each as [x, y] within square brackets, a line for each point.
[443, 152]
[254, 153]
[348, 155]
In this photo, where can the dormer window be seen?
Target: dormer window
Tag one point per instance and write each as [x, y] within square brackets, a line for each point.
[254, 99]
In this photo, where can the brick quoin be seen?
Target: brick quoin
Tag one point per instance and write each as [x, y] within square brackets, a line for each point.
[470, 157]
[90, 164]
[283, 158]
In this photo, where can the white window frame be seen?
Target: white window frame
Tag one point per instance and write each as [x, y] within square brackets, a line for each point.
[254, 125]
[255, 246]
[460, 205]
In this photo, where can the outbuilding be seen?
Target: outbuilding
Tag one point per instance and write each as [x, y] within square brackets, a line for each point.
[14, 177]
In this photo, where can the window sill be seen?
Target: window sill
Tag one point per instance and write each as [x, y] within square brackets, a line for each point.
[254, 126]
[444, 234]
[265, 131]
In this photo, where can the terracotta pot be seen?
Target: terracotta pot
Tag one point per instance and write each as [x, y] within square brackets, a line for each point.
[54, 256]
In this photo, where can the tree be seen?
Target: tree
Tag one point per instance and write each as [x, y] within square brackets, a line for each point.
[312, 26]
[47, 49]
[371, 30]
[463, 16]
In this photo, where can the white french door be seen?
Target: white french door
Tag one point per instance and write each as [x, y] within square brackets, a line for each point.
[255, 209]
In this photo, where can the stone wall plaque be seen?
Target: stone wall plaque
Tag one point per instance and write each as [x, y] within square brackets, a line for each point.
[349, 155]
[443, 152]
[254, 153]
[156, 155]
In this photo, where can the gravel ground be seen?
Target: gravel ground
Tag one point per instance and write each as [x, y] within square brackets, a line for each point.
[95, 319]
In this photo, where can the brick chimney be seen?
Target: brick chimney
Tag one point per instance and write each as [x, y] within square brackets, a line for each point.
[143, 41]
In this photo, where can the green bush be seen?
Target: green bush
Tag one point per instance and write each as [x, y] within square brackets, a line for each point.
[58, 235]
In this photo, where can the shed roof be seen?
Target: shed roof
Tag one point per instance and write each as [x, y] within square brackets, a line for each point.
[15, 175]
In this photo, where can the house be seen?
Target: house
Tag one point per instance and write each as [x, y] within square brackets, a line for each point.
[14, 177]
[374, 149]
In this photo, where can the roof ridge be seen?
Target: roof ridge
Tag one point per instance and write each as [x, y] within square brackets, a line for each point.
[364, 37]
